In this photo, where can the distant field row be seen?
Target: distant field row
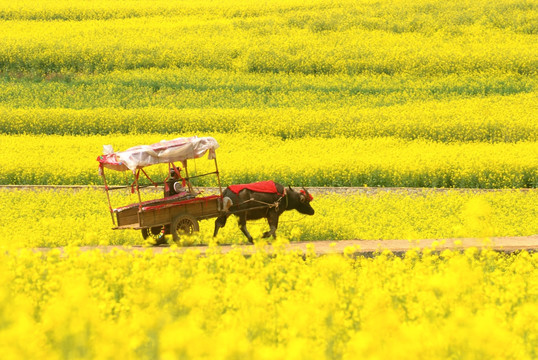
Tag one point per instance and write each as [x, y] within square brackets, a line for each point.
[49, 218]
[342, 37]
[396, 16]
[180, 88]
[339, 161]
[489, 119]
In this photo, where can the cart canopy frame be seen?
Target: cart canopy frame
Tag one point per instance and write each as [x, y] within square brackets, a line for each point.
[166, 151]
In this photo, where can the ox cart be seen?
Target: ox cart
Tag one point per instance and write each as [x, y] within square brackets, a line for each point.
[182, 207]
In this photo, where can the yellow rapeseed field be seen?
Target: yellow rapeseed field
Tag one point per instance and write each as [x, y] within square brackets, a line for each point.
[50, 218]
[485, 119]
[307, 161]
[459, 74]
[414, 93]
[413, 37]
[90, 305]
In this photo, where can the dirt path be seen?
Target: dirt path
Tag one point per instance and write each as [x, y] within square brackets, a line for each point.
[361, 247]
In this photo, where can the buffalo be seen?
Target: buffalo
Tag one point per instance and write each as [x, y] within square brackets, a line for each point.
[265, 199]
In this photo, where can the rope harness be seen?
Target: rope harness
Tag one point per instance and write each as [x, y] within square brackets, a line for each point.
[275, 205]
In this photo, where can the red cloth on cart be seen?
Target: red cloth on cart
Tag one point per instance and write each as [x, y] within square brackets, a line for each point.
[268, 186]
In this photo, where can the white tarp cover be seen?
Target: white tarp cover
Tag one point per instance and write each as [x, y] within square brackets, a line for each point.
[180, 149]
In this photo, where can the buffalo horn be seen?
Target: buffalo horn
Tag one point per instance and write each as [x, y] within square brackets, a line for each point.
[307, 194]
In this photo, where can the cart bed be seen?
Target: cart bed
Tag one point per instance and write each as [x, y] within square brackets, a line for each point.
[162, 211]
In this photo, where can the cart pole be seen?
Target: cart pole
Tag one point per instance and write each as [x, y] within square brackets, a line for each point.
[189, 185]
[218, 176]
[102, 171]
[138, 191]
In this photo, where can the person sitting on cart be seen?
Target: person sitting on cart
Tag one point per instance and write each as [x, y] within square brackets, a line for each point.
[175, 183]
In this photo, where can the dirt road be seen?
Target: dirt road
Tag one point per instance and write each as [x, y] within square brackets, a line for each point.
[360, 247]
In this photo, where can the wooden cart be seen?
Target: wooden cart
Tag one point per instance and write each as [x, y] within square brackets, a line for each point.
[176, 214]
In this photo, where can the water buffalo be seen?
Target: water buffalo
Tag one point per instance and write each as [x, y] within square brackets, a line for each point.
[264, 199]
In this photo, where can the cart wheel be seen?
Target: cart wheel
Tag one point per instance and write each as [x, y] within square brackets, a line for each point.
[184, 225]
[155, 233]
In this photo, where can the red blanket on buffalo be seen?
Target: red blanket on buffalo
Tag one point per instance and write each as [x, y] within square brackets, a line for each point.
[261, 186]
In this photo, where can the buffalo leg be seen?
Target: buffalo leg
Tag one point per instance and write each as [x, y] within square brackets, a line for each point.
[243, 227]
[219, 222]
[272, 219]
